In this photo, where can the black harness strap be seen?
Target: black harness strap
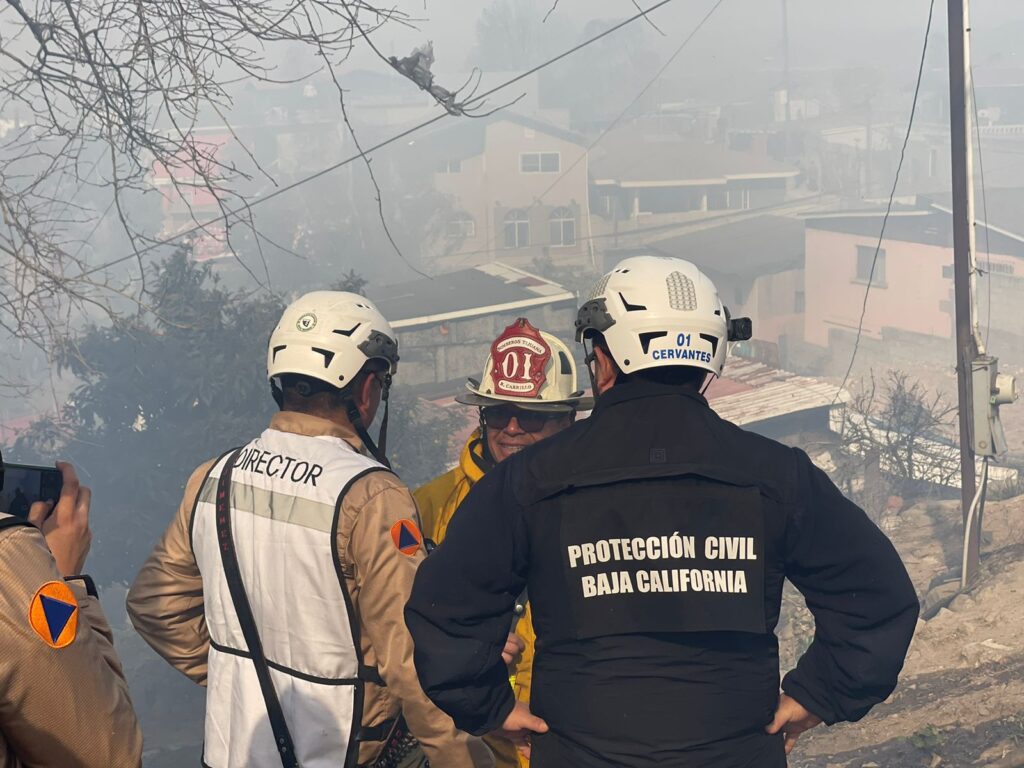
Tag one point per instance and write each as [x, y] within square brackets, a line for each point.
[282, 736]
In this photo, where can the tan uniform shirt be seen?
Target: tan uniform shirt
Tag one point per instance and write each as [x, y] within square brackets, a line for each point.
[60, 707]
[166, 601]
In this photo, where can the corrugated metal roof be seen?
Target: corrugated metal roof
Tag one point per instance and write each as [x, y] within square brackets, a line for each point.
[771, 393]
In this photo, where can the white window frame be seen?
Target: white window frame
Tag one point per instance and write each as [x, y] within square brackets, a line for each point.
[461, 225]
[559, 217]
[539, 156]
[519, 227]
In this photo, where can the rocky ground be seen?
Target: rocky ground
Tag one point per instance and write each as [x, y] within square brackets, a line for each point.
[960, 701]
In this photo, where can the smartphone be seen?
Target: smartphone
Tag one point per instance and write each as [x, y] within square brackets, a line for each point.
[24, 484]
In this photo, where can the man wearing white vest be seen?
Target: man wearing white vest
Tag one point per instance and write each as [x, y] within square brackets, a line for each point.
[281, 581]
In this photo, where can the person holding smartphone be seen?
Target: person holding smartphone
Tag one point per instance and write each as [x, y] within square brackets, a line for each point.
[63, 696]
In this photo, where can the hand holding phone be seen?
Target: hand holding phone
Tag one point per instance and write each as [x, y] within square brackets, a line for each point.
[66, 524]
[22, 485]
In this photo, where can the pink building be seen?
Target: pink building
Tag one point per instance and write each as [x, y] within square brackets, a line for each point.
[912, 284]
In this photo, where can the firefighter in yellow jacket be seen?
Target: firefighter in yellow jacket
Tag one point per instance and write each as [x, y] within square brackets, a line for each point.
[528, 392]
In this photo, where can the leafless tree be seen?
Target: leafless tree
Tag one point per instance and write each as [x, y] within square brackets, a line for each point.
[907, 427]
[98, 95]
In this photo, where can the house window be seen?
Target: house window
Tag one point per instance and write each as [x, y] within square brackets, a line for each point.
[799, 302]
[865, 257]
[517, 229]
[540, 162]
[461, 225]
[563, 227]
[450, 166]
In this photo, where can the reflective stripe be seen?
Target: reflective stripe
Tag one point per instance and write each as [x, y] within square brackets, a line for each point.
[274, 505]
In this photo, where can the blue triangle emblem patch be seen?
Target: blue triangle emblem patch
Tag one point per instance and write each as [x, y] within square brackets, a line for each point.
[407, 539]
[58, 614]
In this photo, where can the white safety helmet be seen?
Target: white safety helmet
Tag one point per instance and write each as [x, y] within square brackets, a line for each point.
[528, 368]
[329, 335]
[656, 311]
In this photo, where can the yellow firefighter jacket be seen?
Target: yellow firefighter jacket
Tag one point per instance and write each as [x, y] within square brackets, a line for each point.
[437, 502]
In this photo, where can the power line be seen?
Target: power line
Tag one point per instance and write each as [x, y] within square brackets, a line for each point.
[888, 207]
[380, 145]
[984, 207]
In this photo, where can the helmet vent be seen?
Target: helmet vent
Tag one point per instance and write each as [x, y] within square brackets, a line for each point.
[328, 355]
[566, 368]
[278, 349]
[631, 307]
[599, 287]
[681, 293]
[647, 338]
[349, 332]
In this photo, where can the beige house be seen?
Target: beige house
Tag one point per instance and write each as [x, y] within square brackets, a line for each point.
[518, 190]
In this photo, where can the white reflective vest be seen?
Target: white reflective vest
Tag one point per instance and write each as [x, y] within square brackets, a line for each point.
[285, 499]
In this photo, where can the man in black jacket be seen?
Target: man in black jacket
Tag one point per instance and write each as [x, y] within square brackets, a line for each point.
[655, 538]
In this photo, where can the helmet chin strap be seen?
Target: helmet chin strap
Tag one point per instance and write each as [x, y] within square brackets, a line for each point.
[588, 359]
[486, 461]
[377, 449]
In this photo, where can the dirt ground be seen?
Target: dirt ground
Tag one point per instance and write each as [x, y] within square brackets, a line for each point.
[960, 701]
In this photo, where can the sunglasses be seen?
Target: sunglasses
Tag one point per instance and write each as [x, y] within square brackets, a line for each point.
[498, 417]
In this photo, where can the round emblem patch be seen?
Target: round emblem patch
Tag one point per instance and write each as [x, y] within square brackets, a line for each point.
[307, 322]
[407, 537]
[518, 359]
[53, 614]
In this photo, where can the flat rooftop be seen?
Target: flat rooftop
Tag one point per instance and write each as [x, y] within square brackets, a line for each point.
[484, 290]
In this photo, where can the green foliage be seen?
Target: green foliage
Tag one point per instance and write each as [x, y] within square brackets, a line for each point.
[159, 397]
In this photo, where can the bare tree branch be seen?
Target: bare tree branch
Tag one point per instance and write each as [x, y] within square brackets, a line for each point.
[98, 98]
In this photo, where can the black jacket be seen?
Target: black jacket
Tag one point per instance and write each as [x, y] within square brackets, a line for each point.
[655, 538]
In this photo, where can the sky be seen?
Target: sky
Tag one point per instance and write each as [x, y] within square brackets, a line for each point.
[841, 31]
[742, 36]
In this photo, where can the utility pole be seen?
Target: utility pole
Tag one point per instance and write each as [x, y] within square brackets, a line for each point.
[785, 65]
[967, 341]
[869, 134]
